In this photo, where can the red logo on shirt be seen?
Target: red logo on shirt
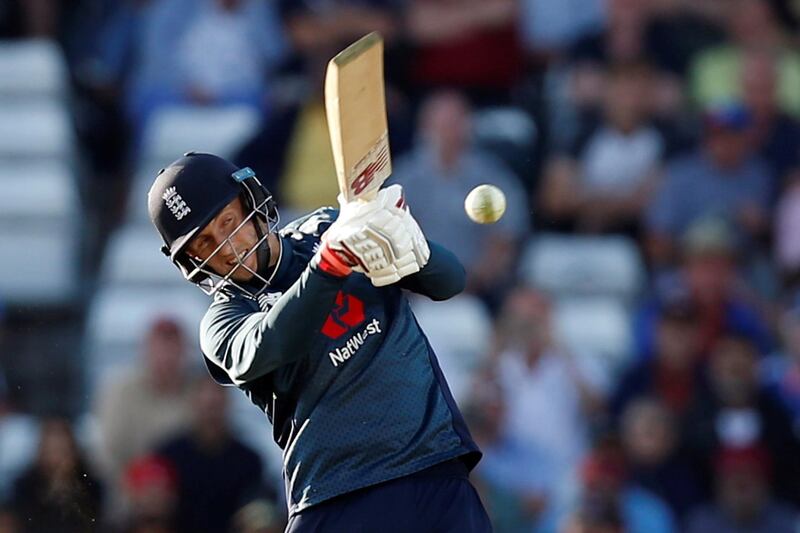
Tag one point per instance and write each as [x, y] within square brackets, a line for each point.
[349, 312]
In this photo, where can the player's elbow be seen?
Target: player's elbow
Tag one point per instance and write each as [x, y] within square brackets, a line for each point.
[453, 284]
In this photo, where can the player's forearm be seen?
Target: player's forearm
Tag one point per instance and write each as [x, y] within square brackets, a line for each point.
[442, 278]
[259, 343]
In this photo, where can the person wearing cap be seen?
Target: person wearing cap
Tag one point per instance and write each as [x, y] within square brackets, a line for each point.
[722, 178]
[311, 323]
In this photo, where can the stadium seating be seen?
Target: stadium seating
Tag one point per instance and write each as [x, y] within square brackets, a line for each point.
[39, 129]
[176, 130]
[595, 327]
[133, 259]
[120, 316]
[567, 265]
[460, 332]
[31, 69]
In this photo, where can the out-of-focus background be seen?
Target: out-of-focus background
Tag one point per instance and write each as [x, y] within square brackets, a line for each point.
[627, 352]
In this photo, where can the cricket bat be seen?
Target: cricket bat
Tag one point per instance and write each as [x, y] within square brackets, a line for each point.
[355, 105]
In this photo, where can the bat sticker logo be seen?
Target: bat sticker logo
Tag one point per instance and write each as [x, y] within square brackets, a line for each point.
[366, 176]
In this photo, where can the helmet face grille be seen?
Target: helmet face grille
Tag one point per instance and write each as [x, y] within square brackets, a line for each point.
[210, 281]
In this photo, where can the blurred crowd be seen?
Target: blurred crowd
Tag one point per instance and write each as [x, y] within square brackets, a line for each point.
[670, 124]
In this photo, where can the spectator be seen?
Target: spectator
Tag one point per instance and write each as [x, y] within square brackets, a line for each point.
[605, 180]
[722, 178]
[780, 372]
[708, 278]
[216, 474]
[542, 382]
[651, 440]
[148, 403]
[604, 481]
[150, 485]
[550, 27]
[470, 45]
[58, 492]
[752, 25]
[735, 412]
[743, 501]
[226, 50]
[512, 477]
[671, 374]
[184, 52]
[436, 178]
[776, 134]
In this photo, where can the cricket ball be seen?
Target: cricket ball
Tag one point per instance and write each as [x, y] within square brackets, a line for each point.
[485, 204]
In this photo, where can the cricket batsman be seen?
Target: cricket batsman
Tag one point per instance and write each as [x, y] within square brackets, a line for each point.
[312, 324]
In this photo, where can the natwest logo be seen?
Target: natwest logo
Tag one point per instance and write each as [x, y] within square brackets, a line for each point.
[354, 343]
[348, 313]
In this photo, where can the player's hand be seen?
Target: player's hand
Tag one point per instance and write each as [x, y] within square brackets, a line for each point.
[412, 247]
[375, 237]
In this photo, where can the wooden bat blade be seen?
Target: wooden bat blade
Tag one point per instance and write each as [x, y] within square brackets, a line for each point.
[355, 104]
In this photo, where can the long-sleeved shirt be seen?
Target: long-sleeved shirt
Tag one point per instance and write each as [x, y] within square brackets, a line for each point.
[341, 368]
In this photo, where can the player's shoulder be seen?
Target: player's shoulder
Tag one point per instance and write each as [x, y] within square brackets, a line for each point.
[313, 224]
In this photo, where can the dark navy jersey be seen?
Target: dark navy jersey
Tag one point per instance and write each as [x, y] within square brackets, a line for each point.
[341, 368]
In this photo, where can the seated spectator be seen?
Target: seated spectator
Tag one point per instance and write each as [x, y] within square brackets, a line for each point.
[225, 51]
[470, 45]
[751, 25]
[605, 180]
[512, 477]
[543, 382]
[187, 52]
[216, 474]
[147, 403]
[550, 27]
[436, 177]
[721, 178]
[651, 440]
[150, 489]
[743, 502]
[708, 278]
[780, 372]
[604, 481]
[734, 411]
[671, 374]
[58, 492]
[776, 134]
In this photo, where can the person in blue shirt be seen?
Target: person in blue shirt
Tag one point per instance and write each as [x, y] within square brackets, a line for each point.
[312, 324]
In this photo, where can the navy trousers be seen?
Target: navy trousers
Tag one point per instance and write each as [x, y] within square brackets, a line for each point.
[439, 499]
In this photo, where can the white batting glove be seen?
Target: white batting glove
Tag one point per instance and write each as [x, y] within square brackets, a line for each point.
[380, 237]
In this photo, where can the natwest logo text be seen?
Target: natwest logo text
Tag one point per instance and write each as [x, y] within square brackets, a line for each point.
[354, 343]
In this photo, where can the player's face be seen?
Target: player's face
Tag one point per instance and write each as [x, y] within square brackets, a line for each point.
[236, 244]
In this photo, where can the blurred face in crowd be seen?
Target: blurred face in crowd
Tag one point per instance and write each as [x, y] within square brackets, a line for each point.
[209, 410]
[759, 83]
[727, 147]
[165, 353]
[733, 371]
[677, 342]
[525, 321]
[58, 452]
[742, 491]
[751, 22]
[446, 125]
[648, 432]
[710, 276]
[626, 99]
[227, 258]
